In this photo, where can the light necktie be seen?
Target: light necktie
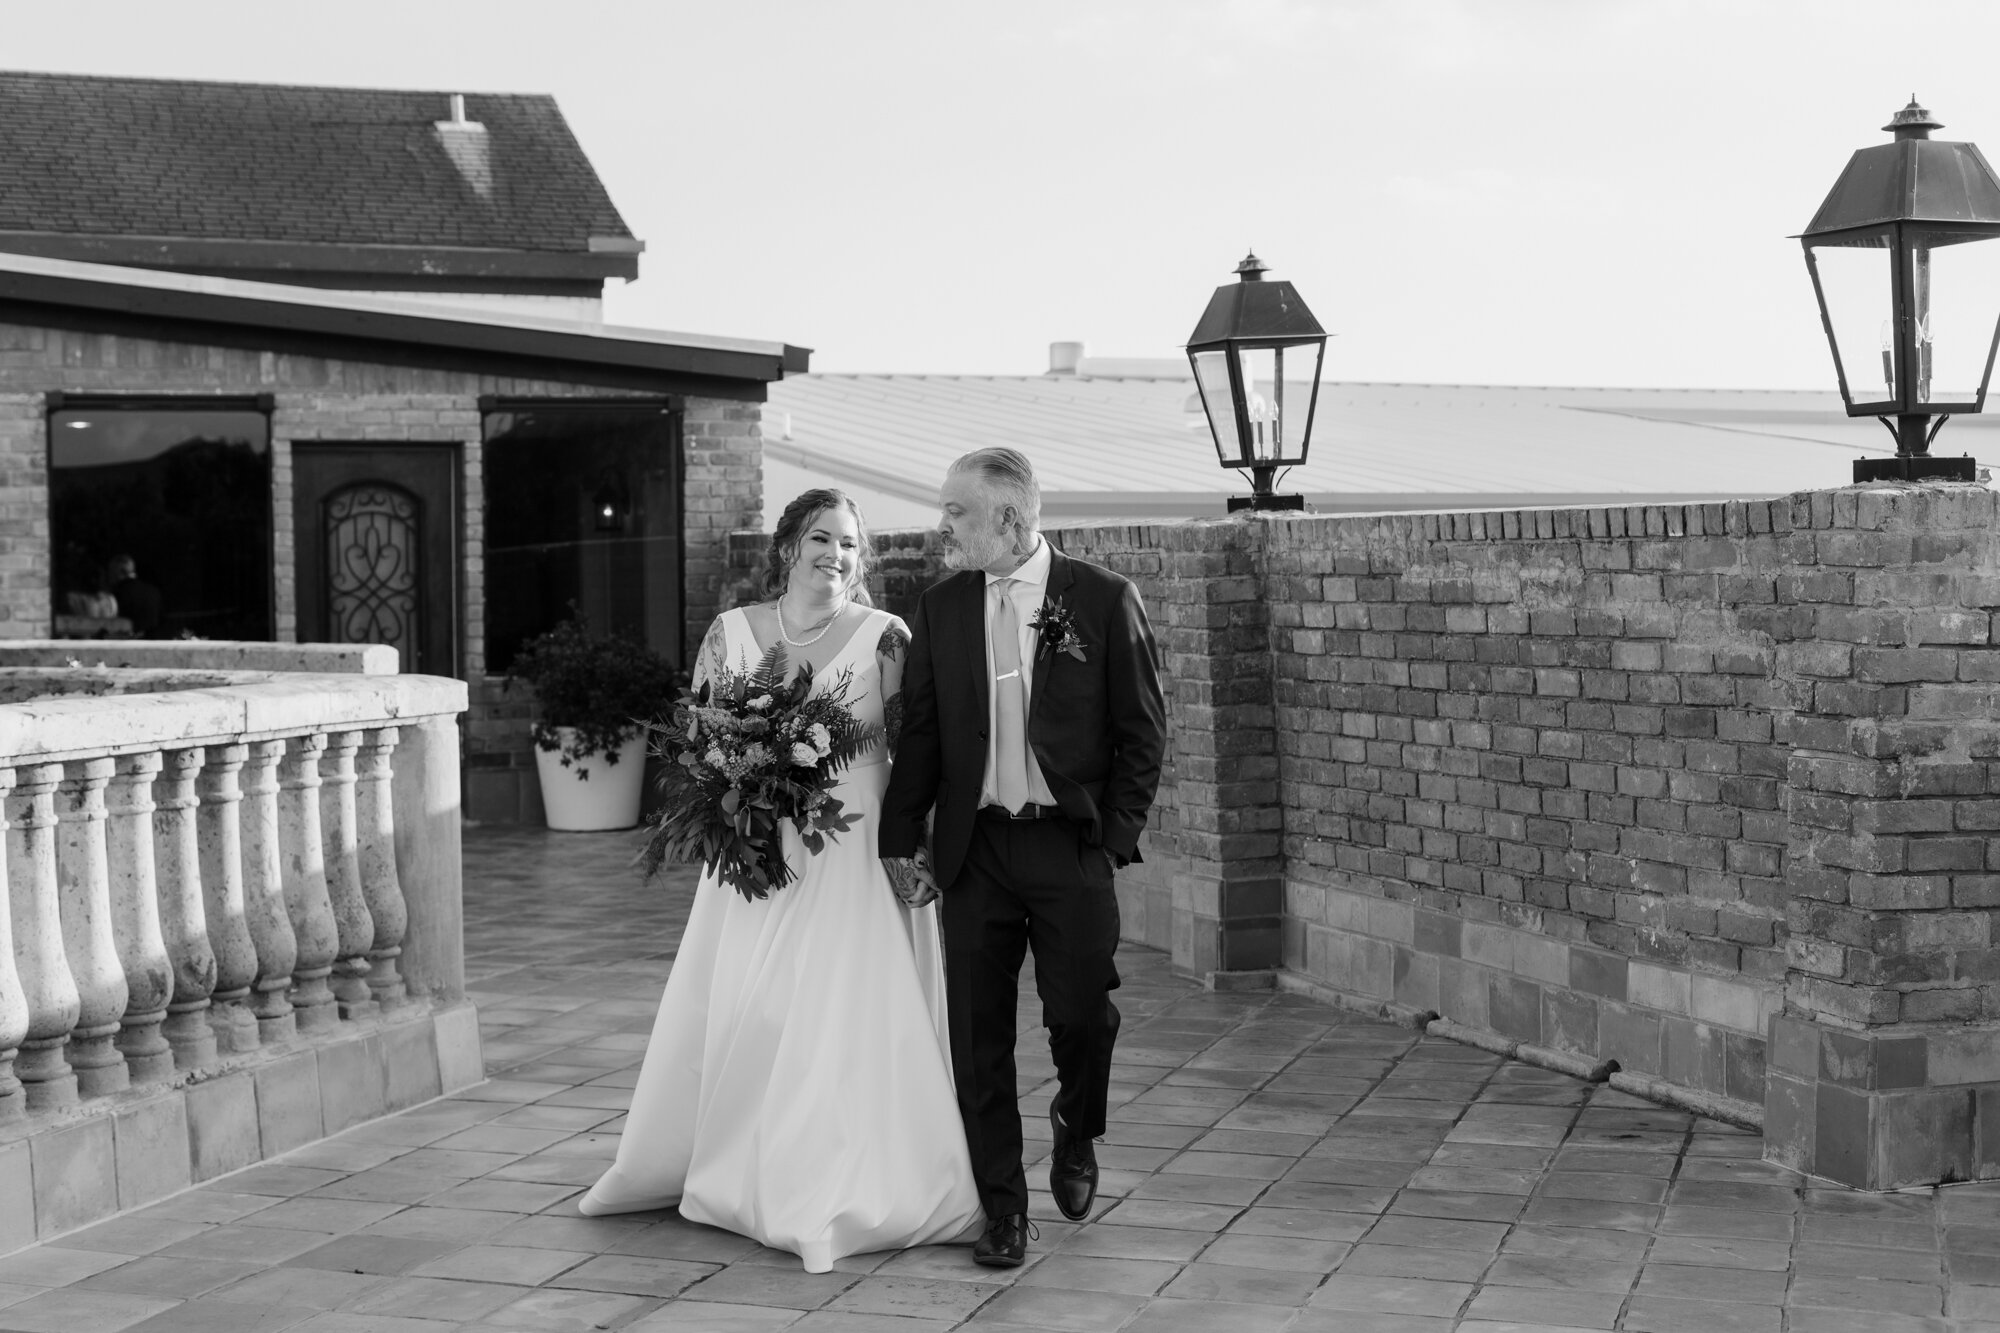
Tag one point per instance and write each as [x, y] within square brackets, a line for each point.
[1010, 704]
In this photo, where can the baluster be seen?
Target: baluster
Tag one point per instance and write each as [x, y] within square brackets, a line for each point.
[135, 915]
[376, 812]
[183, 922]
[84, 879]
[304, 875]
[53, 1003]
[264, 896]
[343, 875]
[219, 826]
[13, 1000]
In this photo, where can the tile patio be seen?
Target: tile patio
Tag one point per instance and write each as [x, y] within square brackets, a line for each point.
[1271, 1165]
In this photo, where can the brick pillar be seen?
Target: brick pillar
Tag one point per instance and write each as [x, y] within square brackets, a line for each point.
[284, 547]
[1213, 623]
[24, 517]
[722, 446]
[1884, 1067]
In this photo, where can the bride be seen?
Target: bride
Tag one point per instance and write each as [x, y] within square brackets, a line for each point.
[797, 1087]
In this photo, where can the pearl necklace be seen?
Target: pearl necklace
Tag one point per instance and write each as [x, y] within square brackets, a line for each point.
[825, 625]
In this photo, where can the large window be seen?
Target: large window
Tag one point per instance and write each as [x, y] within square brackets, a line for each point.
[583, 508]
[160, 518]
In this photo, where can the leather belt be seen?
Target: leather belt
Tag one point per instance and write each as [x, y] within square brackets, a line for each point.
[1028, 811]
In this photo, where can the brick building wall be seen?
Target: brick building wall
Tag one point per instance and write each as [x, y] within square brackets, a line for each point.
[322, 398]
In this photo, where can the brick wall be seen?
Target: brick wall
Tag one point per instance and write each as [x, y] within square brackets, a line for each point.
[723, 446]
[1534, 774]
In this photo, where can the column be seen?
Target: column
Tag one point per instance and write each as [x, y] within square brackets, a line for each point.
[303, 874]
[183, 921]
[1228, 898]
[1881, 1069]
[83, 879]
[135, 915]
[340, 831]
[219, 833]
[13, 1000]
[429, 857]
[264, 896]
[374, 808]
[53, 1003]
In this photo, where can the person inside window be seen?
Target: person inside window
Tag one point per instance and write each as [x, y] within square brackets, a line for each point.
[138, 600]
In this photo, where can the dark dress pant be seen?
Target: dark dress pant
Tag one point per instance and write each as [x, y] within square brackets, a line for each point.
[1028, 884]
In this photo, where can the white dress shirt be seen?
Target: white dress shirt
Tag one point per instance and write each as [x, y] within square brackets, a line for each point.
[1029, 585]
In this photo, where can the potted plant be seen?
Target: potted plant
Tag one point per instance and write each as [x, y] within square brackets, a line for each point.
[595, 697]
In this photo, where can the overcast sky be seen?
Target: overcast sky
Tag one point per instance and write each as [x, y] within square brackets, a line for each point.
[1580, 192]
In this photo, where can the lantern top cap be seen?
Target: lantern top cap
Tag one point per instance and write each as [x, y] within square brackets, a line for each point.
[1913, 122]
[1253, 309]
[1915, 179]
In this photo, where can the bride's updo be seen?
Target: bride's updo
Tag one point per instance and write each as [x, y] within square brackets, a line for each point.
[792, 527]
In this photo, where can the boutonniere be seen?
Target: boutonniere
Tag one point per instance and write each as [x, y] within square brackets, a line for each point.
[1055, 624]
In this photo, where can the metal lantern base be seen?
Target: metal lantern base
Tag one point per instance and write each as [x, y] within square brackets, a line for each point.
[1916, 467]
[1238, 503]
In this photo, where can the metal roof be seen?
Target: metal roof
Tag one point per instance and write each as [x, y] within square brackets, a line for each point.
[1134, 445]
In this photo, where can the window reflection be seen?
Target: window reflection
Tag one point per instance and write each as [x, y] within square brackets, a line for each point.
[582, 506]
[160, 521]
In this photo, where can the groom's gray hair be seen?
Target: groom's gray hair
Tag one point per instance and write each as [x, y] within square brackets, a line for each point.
[1009, 473]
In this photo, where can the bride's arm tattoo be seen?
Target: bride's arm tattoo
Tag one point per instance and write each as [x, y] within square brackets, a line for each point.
[713, 659]
[891, 648]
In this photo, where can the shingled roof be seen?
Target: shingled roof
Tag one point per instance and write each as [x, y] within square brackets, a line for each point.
[229, 177]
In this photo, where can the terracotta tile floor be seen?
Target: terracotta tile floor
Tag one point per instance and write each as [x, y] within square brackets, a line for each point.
[1271, 1165]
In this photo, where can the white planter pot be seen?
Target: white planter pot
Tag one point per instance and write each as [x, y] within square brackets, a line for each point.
[591, 794]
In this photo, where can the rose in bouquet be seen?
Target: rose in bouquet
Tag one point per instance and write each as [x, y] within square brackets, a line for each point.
[744, 753]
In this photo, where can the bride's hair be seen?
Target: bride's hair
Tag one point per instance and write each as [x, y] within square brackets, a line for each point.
[792, 527]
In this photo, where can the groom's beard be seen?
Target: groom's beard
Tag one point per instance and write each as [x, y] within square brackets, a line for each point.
[978, 553]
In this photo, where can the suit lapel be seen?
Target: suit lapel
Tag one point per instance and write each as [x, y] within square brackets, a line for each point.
[971, 638]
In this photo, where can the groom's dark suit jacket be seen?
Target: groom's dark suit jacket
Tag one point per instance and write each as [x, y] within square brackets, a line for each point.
[1098, 726]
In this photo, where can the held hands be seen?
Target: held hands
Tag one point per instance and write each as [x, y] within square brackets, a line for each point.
[911, 878]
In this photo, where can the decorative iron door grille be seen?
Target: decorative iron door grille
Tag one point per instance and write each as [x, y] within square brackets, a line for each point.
[374, 540]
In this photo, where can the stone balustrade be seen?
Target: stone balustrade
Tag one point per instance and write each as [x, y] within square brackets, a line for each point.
[208, 871]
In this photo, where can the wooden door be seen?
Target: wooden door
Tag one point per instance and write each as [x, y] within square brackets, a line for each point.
[376, 528]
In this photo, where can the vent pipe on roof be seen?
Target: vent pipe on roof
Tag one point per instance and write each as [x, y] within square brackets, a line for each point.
[1063, 358]
[458, 120]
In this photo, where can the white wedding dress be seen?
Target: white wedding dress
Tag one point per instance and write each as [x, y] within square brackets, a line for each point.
[797, 1088]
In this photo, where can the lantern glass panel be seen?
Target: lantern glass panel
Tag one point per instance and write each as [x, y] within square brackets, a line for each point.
[1211, 376]
[1854, 278]
[1955, 285]
[1278, 384]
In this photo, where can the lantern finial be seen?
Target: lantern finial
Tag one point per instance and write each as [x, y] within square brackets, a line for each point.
[1912, 122]
[1252, 269]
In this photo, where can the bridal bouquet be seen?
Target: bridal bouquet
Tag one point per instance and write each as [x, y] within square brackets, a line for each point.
[742, 754]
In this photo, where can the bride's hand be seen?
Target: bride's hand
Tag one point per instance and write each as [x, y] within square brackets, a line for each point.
[911, 879]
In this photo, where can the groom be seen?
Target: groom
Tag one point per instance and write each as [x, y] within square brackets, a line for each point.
[1032, 734]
